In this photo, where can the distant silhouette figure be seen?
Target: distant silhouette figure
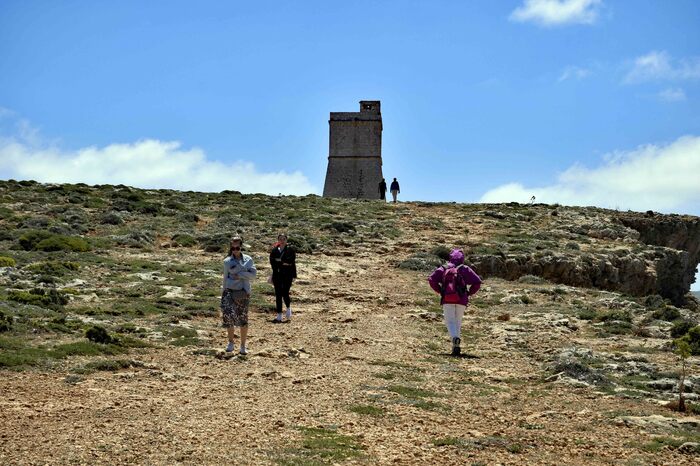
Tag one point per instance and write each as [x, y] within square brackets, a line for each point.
[382, 190]
[532, 199]
[395, 190]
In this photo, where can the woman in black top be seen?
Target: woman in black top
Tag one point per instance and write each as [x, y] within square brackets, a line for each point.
[284, 270]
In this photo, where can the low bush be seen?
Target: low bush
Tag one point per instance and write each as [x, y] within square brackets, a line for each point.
[98, 334]
[531, 279]
[693, 340]
[54, 268]
[214, 243]
[422, 262]
[38, 240]
[340, 227]
[112, 218]
[681, 327]
[667, 313]
[302, 243]
[443, 252]
[31, 238]
[136, 239]
[39, 297]
[7, 262]
[110, 365]
[5, 322]
[183, 239]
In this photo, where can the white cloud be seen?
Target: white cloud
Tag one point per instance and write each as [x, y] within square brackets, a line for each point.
[651, 177]
[672, 94]
[557, 12]
[147, 163]
[660, 66]
[6, 112]
[574, 72]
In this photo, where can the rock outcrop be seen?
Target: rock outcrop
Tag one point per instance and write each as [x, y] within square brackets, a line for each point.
[653, 254]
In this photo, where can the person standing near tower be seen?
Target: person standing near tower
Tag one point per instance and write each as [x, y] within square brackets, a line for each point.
[395, 190]
[382, 190]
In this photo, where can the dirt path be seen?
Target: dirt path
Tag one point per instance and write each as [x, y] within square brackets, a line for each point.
[360, 376]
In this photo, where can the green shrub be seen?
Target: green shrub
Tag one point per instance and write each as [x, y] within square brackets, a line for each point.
[31, 238]
[422, 262]
[147, 208]
[112, 218]
[693, 340]
[214, 243]
[54, 268]
[39, 297]
[615, 315]
[681, 327]
[5, 322]
[667, 313]
[7, 262]
[525, 299]
[443, 252]
[302, 243]
[531, 279]
[182, 239]
[340, 227]
[62, 243]
[98, 334]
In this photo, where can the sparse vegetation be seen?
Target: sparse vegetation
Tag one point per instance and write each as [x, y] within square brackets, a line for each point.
[96, 277]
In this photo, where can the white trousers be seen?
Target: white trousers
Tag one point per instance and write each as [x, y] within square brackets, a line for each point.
[453, 314]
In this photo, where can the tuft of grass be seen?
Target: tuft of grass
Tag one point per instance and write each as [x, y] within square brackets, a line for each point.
[411, 392]
[107, 365]
[531, 279]
[16, 354]
[321, 446]
[448, 441]
[368, 410]
[662, 443]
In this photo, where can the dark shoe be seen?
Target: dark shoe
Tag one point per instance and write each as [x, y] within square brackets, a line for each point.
[456, 350]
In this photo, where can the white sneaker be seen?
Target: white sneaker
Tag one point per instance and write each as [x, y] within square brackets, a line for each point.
[230, 347]
[288, 314]
[279, 317]
[243, 350]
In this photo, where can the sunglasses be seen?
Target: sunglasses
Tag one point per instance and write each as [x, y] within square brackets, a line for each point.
[235, 248]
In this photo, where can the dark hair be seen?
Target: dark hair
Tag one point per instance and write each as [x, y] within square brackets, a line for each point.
[235, 239]
[283, 234]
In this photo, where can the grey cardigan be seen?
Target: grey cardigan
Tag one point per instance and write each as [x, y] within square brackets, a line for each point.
[243, 268]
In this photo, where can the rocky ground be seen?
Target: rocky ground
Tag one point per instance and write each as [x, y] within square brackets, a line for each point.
[552, 374]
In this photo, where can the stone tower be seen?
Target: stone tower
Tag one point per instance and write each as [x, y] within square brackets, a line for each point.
[355, 153]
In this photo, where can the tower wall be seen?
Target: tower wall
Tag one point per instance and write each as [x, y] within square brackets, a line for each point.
[355, 153]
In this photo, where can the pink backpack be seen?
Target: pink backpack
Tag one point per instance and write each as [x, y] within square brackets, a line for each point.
[453, 286]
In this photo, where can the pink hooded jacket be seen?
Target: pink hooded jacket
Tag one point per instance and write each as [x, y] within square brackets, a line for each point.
[470, 277]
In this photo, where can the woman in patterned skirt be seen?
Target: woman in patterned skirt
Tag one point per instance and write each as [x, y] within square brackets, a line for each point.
[239, 270]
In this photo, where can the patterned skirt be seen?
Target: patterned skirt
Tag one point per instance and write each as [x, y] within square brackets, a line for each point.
[234, 310]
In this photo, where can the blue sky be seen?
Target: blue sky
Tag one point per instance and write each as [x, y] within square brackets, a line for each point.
[591, 102]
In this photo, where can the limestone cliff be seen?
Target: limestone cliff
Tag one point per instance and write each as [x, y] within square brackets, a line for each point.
[635, 253]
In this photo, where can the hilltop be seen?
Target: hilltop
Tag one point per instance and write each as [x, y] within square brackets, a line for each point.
[568, 344]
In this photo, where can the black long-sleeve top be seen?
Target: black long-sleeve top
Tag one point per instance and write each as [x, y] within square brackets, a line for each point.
[283, 262]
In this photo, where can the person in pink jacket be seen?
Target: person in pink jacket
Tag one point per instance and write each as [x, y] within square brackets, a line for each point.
[455, 283]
